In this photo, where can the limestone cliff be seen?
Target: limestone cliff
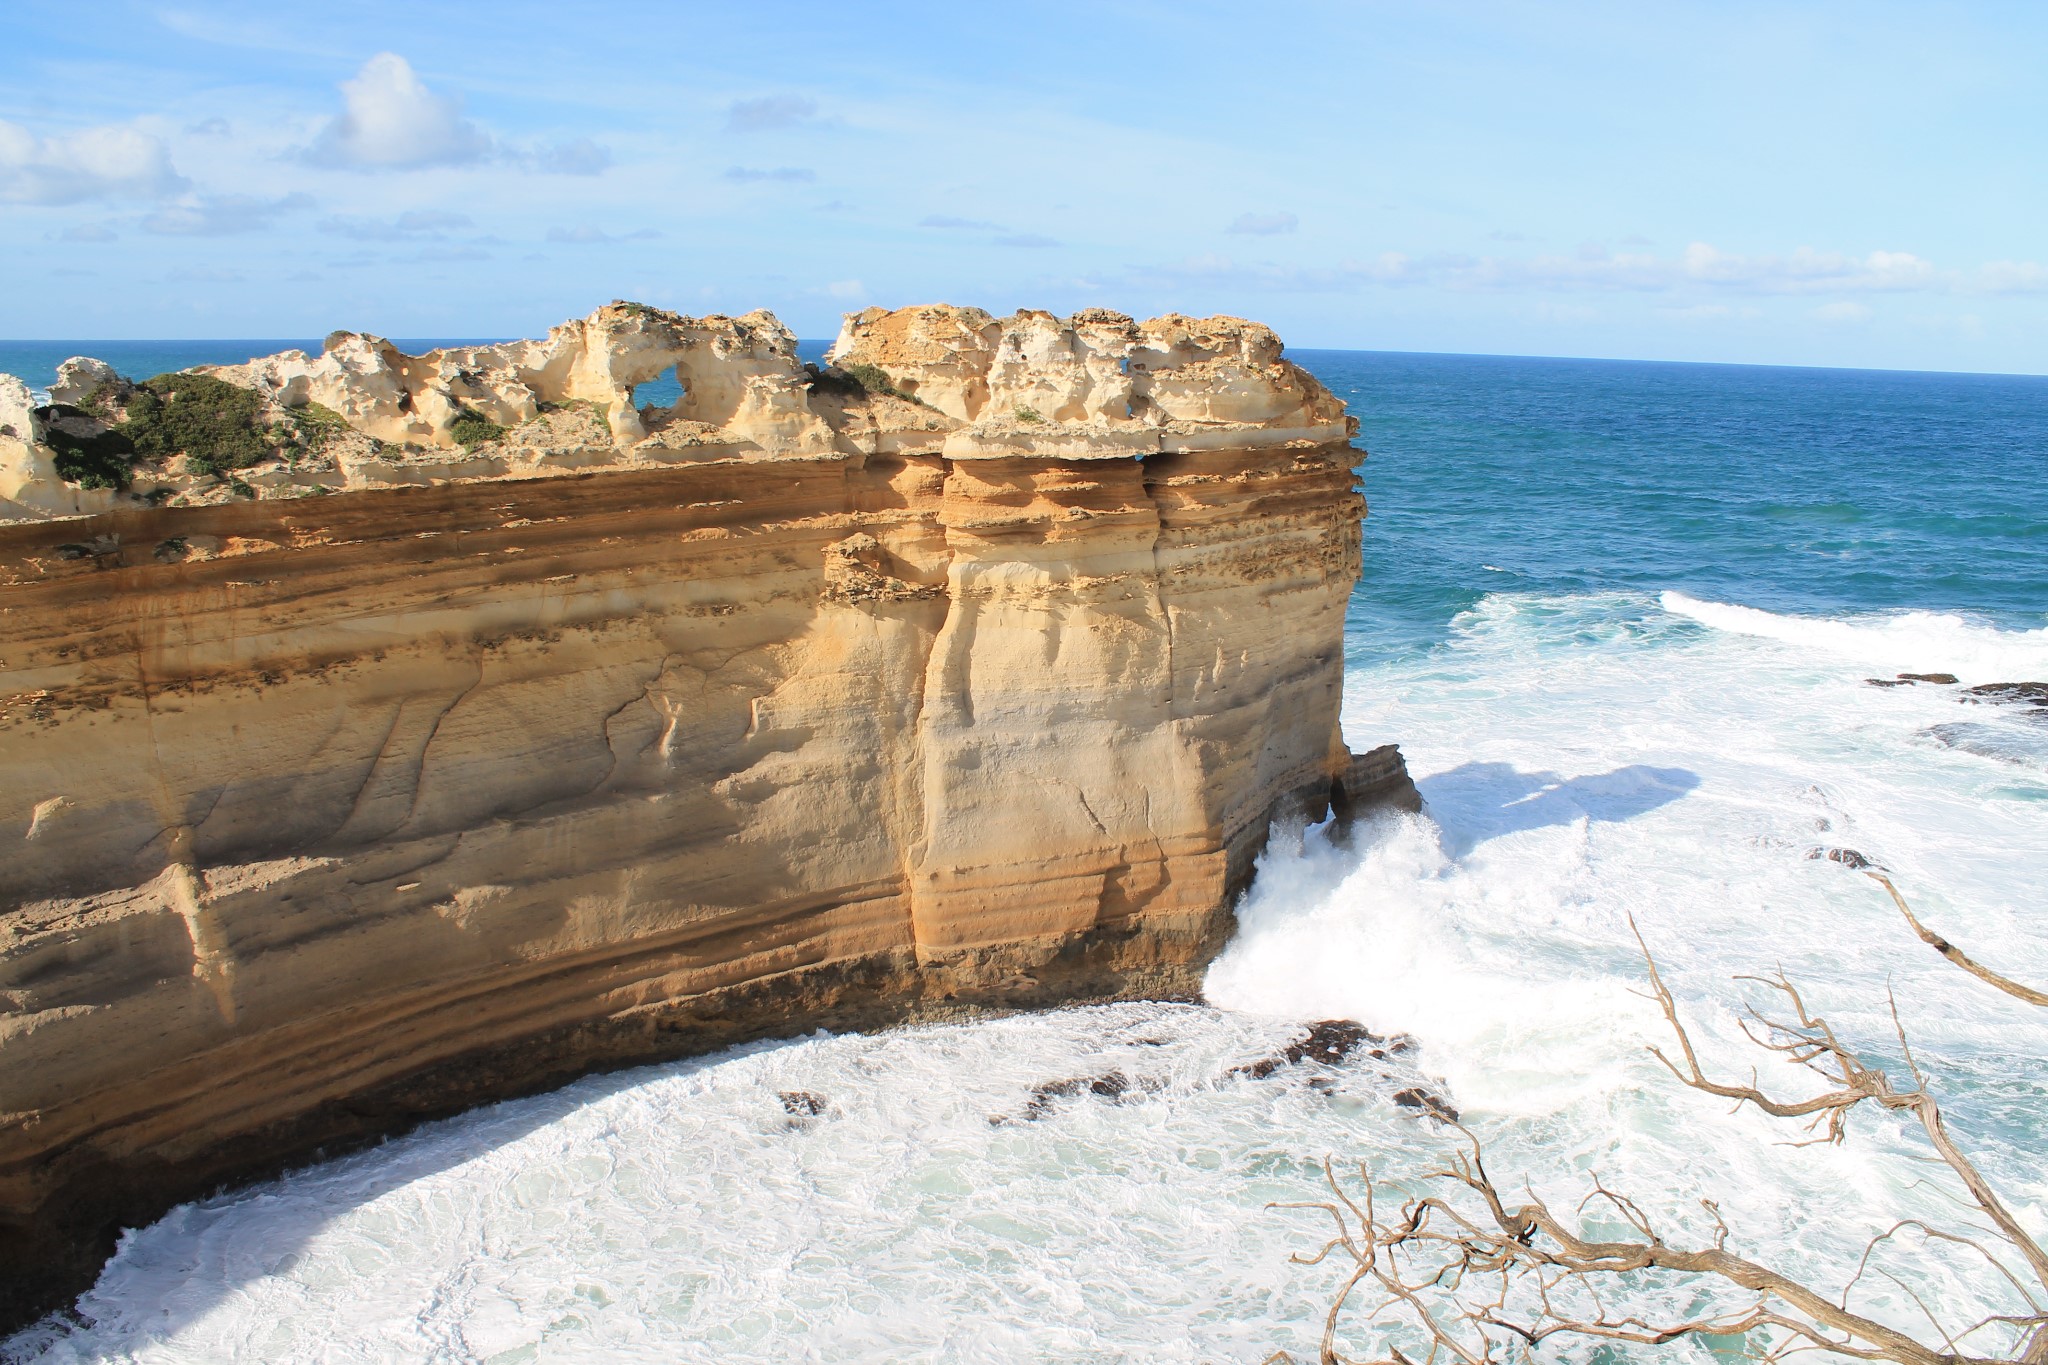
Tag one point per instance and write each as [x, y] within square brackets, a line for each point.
[562, 732]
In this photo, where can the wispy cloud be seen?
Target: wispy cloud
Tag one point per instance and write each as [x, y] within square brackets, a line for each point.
[88, 232]
[221, 215]
[1263, 224]
[587, 235]
[790, 175]
[767, 113]
[945, 220]
[93, 163]
[1593, 268]
[1027, 240]
[449, 253]
[578, 157]
[407, 226]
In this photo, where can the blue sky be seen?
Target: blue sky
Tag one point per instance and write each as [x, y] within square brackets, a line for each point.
[1856, 184]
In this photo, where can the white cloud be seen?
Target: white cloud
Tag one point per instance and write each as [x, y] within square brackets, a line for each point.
[1843, 311]
[221, 215]
[391, 121]
[769, 112]
[1263, 224]
[847, 289]
[94, 163]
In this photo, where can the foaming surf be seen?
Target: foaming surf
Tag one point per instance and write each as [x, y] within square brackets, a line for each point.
[1091, 1184]
[1896, 642]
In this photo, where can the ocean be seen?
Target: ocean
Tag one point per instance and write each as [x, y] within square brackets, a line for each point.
[1620, 617]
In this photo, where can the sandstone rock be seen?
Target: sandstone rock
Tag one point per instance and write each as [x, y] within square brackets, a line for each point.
[619, 735]
[79, 378]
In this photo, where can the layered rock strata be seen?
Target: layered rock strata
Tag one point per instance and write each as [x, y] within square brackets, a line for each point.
[564, 733]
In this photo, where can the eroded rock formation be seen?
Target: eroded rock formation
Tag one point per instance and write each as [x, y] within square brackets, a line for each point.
[565, 733]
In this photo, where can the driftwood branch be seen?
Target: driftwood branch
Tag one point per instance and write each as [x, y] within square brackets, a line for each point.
[1955, 954]
[1466, 1274]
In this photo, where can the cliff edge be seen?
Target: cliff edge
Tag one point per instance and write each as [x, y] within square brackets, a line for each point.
[386, 734]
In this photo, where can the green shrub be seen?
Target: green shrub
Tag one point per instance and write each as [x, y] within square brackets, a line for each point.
[316, 426]
[871, 379]
[471, 428]
[211, 422]
[1025, 414]
[102, 460]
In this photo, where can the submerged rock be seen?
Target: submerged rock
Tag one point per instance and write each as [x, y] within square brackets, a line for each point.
[2032, 694]
[1331, 1040]
[803, 1104]
[1110, 1085]
[2023, 745]
[1430, 1105]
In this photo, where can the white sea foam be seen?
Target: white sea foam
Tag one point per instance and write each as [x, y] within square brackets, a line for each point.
[1585, 760]
[1901, 642]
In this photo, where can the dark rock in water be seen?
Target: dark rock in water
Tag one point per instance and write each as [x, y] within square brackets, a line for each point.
[2019, 744]
[1884, 682]
[1331, 1040]
[1111, 1085]
[1945, 679]
[2021, 693]
[1431, 1106]
[803, 1104]
[1847, 857]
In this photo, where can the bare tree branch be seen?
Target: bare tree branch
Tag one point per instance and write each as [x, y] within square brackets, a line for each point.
[1955, 954]
[1466, 1276]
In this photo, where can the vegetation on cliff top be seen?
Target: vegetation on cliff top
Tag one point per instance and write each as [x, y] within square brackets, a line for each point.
[472, 429]
[217, 426]
[859, 378]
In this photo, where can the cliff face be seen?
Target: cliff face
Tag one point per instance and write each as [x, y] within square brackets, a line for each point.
[968, 673]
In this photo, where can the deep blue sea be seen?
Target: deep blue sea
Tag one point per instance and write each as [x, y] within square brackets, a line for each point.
[1621, 617]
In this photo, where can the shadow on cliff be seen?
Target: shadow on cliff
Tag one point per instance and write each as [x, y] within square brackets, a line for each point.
[1475, 802]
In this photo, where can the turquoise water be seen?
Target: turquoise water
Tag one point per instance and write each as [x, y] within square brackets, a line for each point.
[1620, 618]
[1793, 490]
